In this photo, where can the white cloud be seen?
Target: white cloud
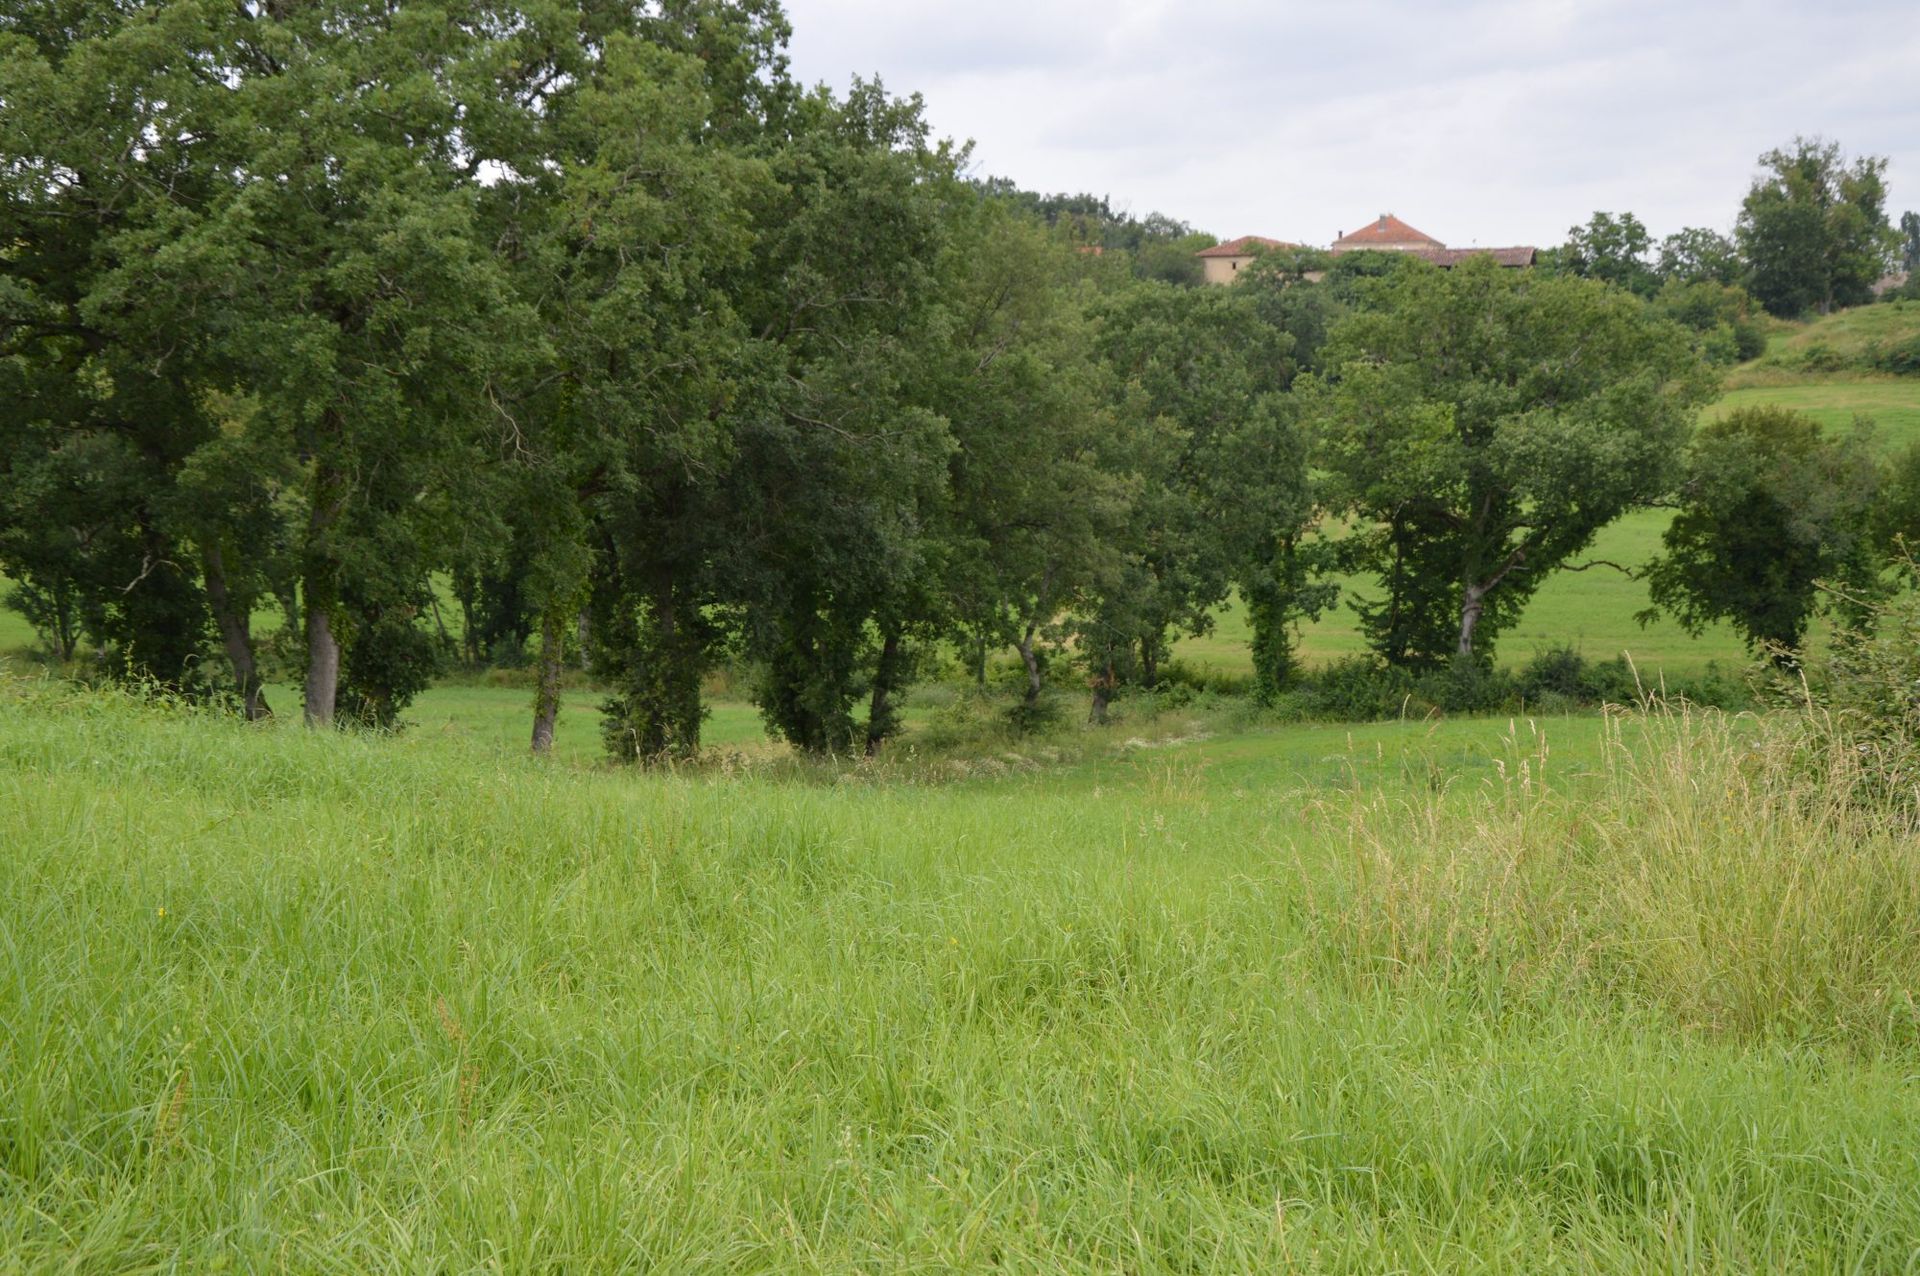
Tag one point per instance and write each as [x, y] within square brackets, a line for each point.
[1491, 121]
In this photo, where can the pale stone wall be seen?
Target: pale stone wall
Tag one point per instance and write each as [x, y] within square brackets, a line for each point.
[1224, 270]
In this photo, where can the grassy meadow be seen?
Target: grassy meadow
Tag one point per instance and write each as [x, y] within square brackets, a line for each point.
[1580, 995]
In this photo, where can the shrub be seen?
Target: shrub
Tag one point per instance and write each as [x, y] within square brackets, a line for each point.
[1899, 357]
[1358, 688]
[1750, 337]
[1866, 693]
[1818, 356]
[1467, 685]
[1560, 670]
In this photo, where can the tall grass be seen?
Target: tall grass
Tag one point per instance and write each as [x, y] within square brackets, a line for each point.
[1747, 876]
[276, 1001]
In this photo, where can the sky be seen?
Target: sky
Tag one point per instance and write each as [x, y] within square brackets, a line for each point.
[1490, 122]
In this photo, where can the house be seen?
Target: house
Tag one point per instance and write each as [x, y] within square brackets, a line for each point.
[1390, 235]
[1222, 262]
[1387, 233]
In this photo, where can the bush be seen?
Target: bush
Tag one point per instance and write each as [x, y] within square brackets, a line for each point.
[1750, 337]
[1561, 676]
[1042, 715]
[1467, 685]
[1179, 674]
[1357, 689]
[1560, 671]
[1899, 357]
[1715, 687]
[1818, 356]
[1866, 692]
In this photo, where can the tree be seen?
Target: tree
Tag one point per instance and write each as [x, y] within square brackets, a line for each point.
[1813, 228]
[839, 457]
[1612, 249]
[1723, 316]
[1223, 498]
[1698, 255]
[1909, 253]
[624, 214]
[1769, 508]
[288, 219]
[114, 525]
[1483, 426]
[1040, 476]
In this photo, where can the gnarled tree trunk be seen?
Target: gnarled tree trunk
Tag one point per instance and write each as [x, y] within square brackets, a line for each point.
[1032, 661]
[1103, 686]
[1473, 602]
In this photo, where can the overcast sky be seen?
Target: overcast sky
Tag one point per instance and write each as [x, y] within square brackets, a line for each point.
[1478, 122]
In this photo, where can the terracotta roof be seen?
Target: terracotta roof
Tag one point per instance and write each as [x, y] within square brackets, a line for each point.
[1387, 230]
[1243, 246]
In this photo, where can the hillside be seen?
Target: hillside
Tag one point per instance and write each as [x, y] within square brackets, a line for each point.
[1880, 339]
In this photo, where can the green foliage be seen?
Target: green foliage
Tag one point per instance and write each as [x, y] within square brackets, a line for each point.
[1902, 358]
[1909, 250]
[1223, 471]
[1769, 507]
[1697, 255]
[1483, 427]
[1616, 250]
[1863, 694]
[1813, 228]
[1730, 329]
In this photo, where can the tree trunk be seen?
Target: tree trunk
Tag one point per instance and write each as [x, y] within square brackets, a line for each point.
[1032, 662]
[323, 666]
[320, 589]
[66, 631]
[1149, 663]
[235, 635]
[463, 591]
[546, 696]
[1103, 684]
[1473, 603]
[980, 662]
[880, 719]
[585, 637]
[433, 598]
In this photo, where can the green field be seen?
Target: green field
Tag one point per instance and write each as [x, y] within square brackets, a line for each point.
[1477, 996]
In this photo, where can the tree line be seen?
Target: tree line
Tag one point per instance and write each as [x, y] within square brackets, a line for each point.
[1812, 235]
[660, 360]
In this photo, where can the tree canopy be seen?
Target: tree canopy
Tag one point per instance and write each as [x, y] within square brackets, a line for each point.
[1482, 427]
[1813, 228]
